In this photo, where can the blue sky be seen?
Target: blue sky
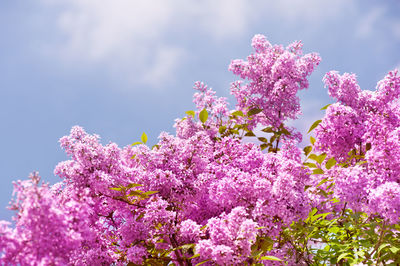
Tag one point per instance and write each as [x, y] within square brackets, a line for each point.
[122, 67]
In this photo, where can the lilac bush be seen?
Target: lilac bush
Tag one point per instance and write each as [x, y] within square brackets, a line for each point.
[204, 196]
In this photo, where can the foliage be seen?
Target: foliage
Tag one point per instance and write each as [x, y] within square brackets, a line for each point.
[210, 196]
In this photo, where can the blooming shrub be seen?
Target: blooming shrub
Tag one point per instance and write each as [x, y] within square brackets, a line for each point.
[205, 196]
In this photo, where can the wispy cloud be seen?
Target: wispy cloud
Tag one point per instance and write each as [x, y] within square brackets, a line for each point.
[132, 36]
[309, 11]
[367, 25]
[165, 62]
[127, 35]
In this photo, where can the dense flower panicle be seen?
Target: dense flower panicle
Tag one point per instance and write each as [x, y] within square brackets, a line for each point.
[206, 194]
[388, 89]
[385, 200]
[216, 107]
[136, 253]
[49, 229]
[190, 231]
[344, 88]
[275, 74]
[340, 131]
[231, 237]
[364, 125]
[351, 186]
[205, 98]
[186, 128]
[196, 179]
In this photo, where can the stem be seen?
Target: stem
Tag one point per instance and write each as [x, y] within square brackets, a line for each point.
[277, 144]
[181, 261]
[368, 256]
[379, 243]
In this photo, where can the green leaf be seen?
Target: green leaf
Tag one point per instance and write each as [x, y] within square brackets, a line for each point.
[323, 215]
[144, 138]
[361, 162]
[150, 192]
[323, 181]
[136, 143]
[314, 125]
[335, 200]
[250, 134]
[331, 162]
[136, 193]
[255, 253]
[342, 256]
[312, 140]
[191, 113]
[286, 132]
[262, 139]
[267, 244]
[318, 171]
[334, 230]
[221, 129]
[360, 253]
[115, 188]
[310, 165]
[267, 130]
[131, 185]
[313, 157]
[307, 150]
[186, 246]
[326, 106]
[383, 246]
[203, 116]
[321, 158]
[270, 258]
[313, 212]
[254, 111]
[264, 146]
[237, 113]
[394, 249]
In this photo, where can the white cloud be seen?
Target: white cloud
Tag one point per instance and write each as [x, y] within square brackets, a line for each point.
[222, 18]
[166, 61]
[132, 36]
[99, 29]
[368, 22]
[310, 11]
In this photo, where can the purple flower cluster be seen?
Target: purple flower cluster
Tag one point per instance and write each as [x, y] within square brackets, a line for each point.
[227, 186]
[275, 74]
[204, 196]
[362, 132]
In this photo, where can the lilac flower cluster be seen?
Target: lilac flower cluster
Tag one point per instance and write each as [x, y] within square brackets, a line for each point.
[206, 197]
[362, 132]
[275, 74]
[227, 186]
